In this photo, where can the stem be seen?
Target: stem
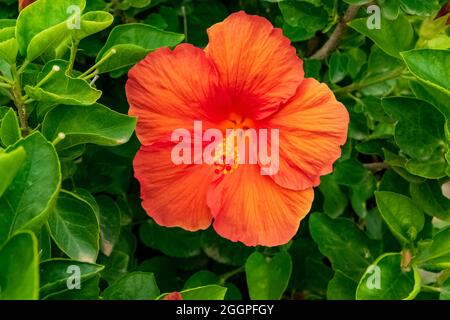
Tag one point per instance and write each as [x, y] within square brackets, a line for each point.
[87, 73]
[23, 66]
[226, 276]
[363, 84]
[5, 85]
[185, 28]
[73, 54]
[6, 80]
[16, 93]
[376, 166]
[55, 69]
[431, 288]
[337, 35]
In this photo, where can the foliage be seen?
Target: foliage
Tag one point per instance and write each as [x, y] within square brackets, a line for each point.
[68, 196]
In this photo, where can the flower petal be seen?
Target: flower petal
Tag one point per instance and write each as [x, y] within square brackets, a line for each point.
[256, 63]
[169, 90]
[313, 125]
[173, 195]
[251, 208]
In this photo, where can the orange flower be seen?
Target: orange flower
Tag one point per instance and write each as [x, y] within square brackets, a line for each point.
[248, 76]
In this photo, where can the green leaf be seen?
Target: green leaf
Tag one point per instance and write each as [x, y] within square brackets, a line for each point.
[109, 224]
[436, 97]
[341, 287]
[338, 67]
[31, 195]
[211, 292]
[132, 42]
[174, 242]
[88, 124]
[19, 271]
[401, 215]
[8, 50]
[268, 277]
[10, 164]
[55, 274]
[164, 270]
[341, 241]
[201, 278]
[335, 200]
[419, 129]
[59, 88]
[390, 8]
[44, 25]
[430, 66]
[89, 291]
[428, 196]
[395, 36]
[436, 254]
[134, 286]
[302, 19]
[420, 7]
[224, 251]
[91, 23]
[395, 282]
[10, 129]
[74, 227]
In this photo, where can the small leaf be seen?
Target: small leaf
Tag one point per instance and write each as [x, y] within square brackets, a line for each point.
[211, 292]
[436, 254]
[10, 164]
[428, 196]
[401, 215]
[132, 42]
[174, 242]
[224, 251]
[19, 271]
[395, 283]
[267, 278]
[134, 286]
[88, 124]
[347, 247]
[10, 129]
[60, 88]
[395, 36]
[55, 273]
[419, 129]
[109, 224]
[74, 227]
[430, 66]
[37, 31]
[27, 201]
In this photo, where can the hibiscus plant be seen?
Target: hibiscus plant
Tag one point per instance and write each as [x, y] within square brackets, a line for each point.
[122, 175]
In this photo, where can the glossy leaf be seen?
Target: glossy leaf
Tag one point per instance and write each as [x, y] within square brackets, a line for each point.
[74, 227]
[395, 282]
[401, 215]
[268, 277]
[19, 271]
[30, 197]
[134, 286]
[88, 124]
[132, 42]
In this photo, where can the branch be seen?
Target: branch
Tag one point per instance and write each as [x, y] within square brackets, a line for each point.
[376, 166]
[336, 37]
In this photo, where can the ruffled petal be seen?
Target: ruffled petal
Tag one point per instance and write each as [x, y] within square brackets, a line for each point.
[252, 209]
[257, 65]
[169, 90]
[313, 126]
[173, 195]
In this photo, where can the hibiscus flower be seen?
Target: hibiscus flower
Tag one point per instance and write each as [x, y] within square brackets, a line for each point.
[248, 76]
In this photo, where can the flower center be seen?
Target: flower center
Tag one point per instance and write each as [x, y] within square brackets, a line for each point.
[227, 153]
[226, 158]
